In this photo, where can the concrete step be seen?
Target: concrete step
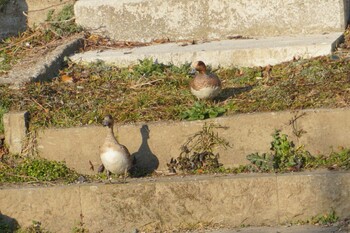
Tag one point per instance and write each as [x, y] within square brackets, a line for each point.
[241, 52]
[247, 133]
[145, 20]
[180, 203]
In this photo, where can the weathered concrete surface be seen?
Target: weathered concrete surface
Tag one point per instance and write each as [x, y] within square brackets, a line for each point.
[57, 208]
[145, 20]
[12, 19]
[326, 130]
[294, 191]
[16, 129]
[42, 68]
[39, 9]
[224, 53]
[181, 202]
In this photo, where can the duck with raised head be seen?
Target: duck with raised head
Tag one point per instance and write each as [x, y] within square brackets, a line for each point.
[204, 85]
[115, 157]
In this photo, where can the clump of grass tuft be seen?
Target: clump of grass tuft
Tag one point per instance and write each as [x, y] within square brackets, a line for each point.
[17, 169]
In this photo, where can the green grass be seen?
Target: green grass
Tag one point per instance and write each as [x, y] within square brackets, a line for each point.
[152, 92]
[284, 156]
[16, 169]
[325, 219]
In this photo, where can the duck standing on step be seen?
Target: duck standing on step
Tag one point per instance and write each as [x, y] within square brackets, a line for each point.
[204, 85]
[115, 157]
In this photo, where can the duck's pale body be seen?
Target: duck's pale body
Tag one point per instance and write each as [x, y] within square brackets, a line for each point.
[115, 161]
[115, 157]
[206, 92]
[204, 85]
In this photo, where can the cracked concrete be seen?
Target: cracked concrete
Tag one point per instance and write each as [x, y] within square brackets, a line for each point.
[167, 203]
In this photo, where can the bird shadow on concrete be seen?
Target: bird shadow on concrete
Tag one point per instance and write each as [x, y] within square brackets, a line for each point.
[145, 162]
[8, 224]
[228, 92]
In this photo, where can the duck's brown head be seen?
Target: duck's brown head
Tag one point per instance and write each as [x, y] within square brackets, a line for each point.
[199, 66]
[108, 121]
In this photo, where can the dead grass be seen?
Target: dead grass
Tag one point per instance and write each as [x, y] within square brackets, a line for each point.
[153, 92]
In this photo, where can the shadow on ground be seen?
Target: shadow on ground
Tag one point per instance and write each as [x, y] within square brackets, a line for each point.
[145, 161]
[8, 224]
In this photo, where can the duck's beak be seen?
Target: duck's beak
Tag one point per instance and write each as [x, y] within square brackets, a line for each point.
[193, 71]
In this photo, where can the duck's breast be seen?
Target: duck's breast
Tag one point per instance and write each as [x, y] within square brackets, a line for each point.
[115, 161]
[206, 92]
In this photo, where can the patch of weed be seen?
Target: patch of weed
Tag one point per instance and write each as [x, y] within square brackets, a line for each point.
[284, 156]
[201, 111]
[325, 219]
[17, 169]
[197, 153]
[320, 219]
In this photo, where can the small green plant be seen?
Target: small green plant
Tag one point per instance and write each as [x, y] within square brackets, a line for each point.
[284, 156]
[325, 219]
[197, 153]
[201, 111]
[261, 163]
[148, 67]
